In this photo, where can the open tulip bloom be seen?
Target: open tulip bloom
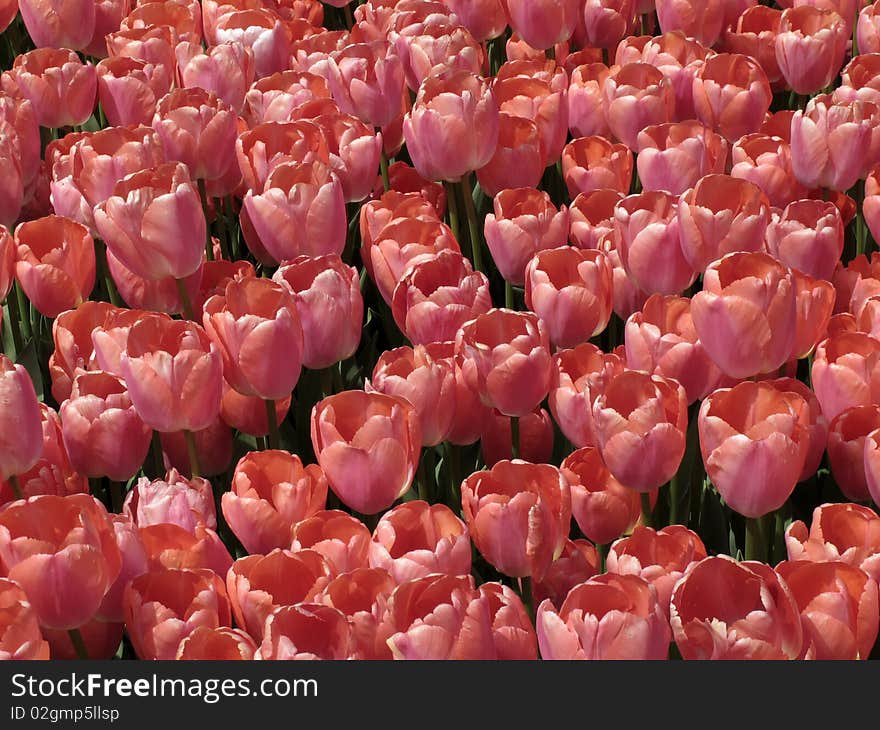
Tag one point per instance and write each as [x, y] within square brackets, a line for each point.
[440, 329]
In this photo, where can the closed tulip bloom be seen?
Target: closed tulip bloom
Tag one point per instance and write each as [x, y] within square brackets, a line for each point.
[275, 98]
[221, 643]
[452, 111]
[12, 187]
[437, 295]
[103, 434]
[868, 29]
[591, 217]
[504, 356]
[163, 607]
[485, 19]
[354, 149]
[640, 422]
[525, 221]
[850, 456]
[817, 424]
[61, 88]
[62, 552]
[602, 507]
[593, 163]
[637, 95]
[660, 557]
[154, 224]
[256, 328]
[607, 22]
[174, 500]
[518, 515]
[815, 304]
[263, 32]
[872, 464]
[765, 160]
[807, 235]
[845, 532]
[55, 263]
[745, 315]
[415, 539]
[404, 178]
[184, 17]
[754, 440]
[810, 47]
[425, 377]
[257, 585]
[731, 94]
[535, 437]
[7, 262]
[578, 376]
[753, 33]
[171, 546]
[328, 300]
[156, 295]
[20, 636]
[267, 146]
[648, 234]
[173, 373]
[723, 609]
[271, 491]
[608, 617]
[844, 372]
[570, 289]
[368, 446]
[701, 21]
[305, 198]
[720, 215]
[470, 412]
[59, 25]
[661, 339]
[674, 156]
[436, 46]
[154, 44]
[578, 563]
[832, 145]
[226, 70]
[543, 24]
[518, 160]
[306, 631]
[367, 80]
[343, 540]
[129, 89]
[858, 80]
[21, 442]
[837, 603]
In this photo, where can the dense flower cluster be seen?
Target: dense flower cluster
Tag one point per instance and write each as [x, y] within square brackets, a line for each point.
[439, 329]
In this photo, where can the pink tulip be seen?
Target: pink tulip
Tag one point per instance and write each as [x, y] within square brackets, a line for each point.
[807, 235]
[543, 24]
[810, 47]
[702, 21]
[343, 540]
[673, 157]
[637, 95]
[843, 372]
[594, 163]
[591, 217]
[850, 456]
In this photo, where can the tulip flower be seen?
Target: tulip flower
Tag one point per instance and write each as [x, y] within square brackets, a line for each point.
[220, 643]
[130, 88]
[843, 372]
[815, 304]
[343, 540]
[765, 160]
[22, 438]
[535, 432]
[586, 104]
[436, 46]
[723, 609]
[591, 217]
[607, 617]
[578, 563]
[415, 539]
[174, 500]
[702, 21]
[754, 440]
[518, 160]
[261, 31]
[20, 636]
[721, 215]
[62, 552]
[675, 156]
[543, 24]
[485, 19]
[810, 47]
[518, 515]
[367, 80]
[637, 95]
[504, 356]
[165, 606]
[753, 33]
[807, 235]
[745, 316]
[368, 446]
[226, 70]
[850, 455]
[306, 631]
[570, 289]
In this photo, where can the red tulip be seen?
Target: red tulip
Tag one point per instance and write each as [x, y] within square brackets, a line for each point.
[368, 446]
[754, 440]
[518, 160]
[165, 606]
[367, 80]
[261, 31]
[436, 46]
[753, 33]
[213, 446]
[215, 644]
[815, 303]
[868, 29]
[59, 25]
[306, 631]
[518, 515]
[745, 316]
[485, 19]
[343, 540]
[20, 636]
[578, 563]
[226, 70]
[851, 450]
[608, 617]
[723, 609]
[504, 357]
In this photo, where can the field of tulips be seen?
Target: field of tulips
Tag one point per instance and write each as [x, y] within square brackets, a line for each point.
[422, 329]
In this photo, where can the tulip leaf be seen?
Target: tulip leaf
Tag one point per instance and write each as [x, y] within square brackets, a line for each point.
[29, 359]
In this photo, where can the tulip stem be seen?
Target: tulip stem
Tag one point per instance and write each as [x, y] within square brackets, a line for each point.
[452, 206]
[756, 544]
[185, 301]
[383, 169]
[514, 437]
[15, 325]
[473, 227]
[674, 499]
[453, 463]
[78, 644]
[602, 553]
[193, 452]
[203, 194]
[23, 307]
[272, 420]
[104, 272]
[647, 512]
[15, 486]
[508, 295]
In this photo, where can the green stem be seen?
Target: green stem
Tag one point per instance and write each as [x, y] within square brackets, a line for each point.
[232, 227]
[203, 194]
[452, 208]
[192, 450]
[15, 325]
[514, 437]
[78, 644]
[185, 301]
[422, 480]
[383, 169]
[602, 552]
[272, 420]
[473, 226]
[647, 512]
[454, 462]
[756, 544]
[104, 273]
[23, 308]
[508, 295]
[15, 486]
[674, 499]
